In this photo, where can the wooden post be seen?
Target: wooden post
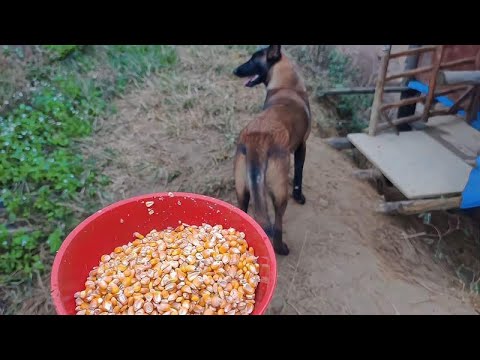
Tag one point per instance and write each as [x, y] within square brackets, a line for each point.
[377, 99]
[411, 207]
[433, 82]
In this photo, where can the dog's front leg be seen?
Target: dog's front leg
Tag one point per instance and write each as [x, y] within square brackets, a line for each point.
[299, 160]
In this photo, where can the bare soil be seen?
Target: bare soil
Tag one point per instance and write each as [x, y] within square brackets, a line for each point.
[177, 133]
[345, 259]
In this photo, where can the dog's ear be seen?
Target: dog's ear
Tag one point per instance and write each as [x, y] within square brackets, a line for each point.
[274, 52]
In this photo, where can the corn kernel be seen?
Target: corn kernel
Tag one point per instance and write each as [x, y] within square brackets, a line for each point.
[223, 248]
[188, 267]
[113, 288]
[208, 312]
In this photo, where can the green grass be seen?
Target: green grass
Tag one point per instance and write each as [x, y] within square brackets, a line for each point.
[325, 68]
[59, 52]
[46, 186]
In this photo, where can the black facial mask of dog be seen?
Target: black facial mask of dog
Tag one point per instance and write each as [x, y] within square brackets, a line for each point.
[257, 68]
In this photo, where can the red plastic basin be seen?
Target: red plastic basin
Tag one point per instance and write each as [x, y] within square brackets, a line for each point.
[114, 226]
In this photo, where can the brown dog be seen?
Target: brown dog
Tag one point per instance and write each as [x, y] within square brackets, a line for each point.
[262, 159]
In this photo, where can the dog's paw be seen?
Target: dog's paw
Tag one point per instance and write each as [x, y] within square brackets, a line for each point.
[282, 249]
[299, 198]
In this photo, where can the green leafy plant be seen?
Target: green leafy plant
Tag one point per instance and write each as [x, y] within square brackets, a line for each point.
[46, 186]
[352, 107]
[41, 173]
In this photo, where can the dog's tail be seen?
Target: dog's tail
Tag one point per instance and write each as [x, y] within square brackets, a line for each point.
[257, 148]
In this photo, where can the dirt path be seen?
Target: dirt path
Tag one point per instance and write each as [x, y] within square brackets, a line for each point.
[177, 134]
[347, 260]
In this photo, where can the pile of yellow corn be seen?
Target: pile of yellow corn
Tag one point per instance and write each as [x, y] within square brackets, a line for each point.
[184, 271]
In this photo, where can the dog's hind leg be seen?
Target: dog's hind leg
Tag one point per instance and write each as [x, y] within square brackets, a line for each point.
[277, 175]
[240, 174]
[280, 247]
[299, 160]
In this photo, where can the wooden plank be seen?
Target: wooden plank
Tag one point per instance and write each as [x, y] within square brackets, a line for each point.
[464, 61]
[450, 90]
[409, 73]
[456, 106]
[412, 51]
[418, 165]
[442, 112]
[455, 134]
[422, 98]
[386, 119]
[396, 122]
[411, 207]
[403, 102]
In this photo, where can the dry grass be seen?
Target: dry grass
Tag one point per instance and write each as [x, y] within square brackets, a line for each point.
[177, 133]
[29, 297]
[13, 72]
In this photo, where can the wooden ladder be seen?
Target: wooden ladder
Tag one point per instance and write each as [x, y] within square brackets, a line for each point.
[379, 107]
